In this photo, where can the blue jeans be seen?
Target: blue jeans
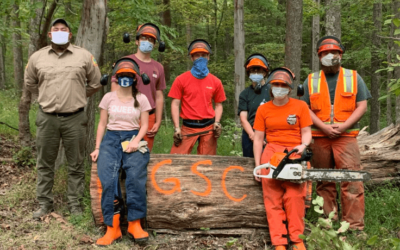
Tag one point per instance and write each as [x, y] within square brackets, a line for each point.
[247, 145]
[111, 159]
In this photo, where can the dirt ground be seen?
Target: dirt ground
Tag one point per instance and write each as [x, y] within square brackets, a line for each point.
[59, 230]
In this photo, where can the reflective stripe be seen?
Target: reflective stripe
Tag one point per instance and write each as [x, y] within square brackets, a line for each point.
[315, 82]
[332, 114]
[348, 80]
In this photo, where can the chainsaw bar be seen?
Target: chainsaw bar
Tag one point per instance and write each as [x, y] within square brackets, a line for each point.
[335, 175]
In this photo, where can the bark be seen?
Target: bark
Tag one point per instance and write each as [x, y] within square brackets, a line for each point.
[166, 20]
[396, 47]
[389, 116]
[294, 18]
[188, 41]
[17, 50]
[2, 63]
[332, 20]
[314, 40]
[215, 29]
[45, 24]
[239, 52]
[90, 37]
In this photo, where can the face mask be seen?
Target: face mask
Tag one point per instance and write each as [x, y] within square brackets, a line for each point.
[125, 81]
[279, 92]
[199, 69]
[330, 60]
[60, 37]
[146, 46]
[257, 78]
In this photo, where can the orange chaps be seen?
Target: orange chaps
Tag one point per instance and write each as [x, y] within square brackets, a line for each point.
[150, 140]
[207, 142]
[343, 153]
[284, 203]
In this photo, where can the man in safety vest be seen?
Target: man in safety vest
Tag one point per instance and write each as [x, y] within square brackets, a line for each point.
[195, 90]
[337, 98]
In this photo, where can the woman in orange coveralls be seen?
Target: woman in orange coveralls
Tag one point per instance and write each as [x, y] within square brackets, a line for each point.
[287, 125]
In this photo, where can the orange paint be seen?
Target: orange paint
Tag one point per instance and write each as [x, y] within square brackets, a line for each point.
[177, 186]
[194, 170]
[224, 186]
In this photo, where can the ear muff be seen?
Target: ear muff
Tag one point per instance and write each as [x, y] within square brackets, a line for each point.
[331, 37]
[126, 37]
[258, 56]
[161, 44]
[104, 80]
[190, 47]
[145, 79]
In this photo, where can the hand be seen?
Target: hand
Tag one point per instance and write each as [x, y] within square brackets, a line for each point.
[251, 136]
[177, 137]
[258, 172]
[132, 146]
[340, 127]
[331, 131]
[217, 129]
[153, 131]
[301, 149]
[94, 155]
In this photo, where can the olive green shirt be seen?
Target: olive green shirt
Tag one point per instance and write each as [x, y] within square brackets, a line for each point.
[62, 82]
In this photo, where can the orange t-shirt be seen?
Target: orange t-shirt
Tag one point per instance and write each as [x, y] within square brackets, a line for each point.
[283, 124]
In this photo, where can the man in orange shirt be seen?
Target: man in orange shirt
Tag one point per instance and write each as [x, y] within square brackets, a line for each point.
[195, 90]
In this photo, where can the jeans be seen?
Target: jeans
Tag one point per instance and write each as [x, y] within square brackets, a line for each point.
[247, 145]
[111, 159]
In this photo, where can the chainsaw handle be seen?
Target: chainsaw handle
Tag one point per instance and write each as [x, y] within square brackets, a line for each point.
[283, 162]
[266, 165]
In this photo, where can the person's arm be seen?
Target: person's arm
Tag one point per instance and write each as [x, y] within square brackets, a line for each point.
[218, 111]
[361, 108]
[30, 77]
[159, 110]
[93, 76]
[306, 138]
[100, 133]
[144, 125]
[175, 112]
[257, 149]
[246, 125]
[327, 129]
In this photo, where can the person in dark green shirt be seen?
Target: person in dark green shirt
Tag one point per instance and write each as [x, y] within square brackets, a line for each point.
[257, 68]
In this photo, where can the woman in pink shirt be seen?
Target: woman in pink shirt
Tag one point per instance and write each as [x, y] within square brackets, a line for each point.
[121, 112]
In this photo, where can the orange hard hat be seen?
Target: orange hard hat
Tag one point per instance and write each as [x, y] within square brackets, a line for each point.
[199, 46]
[147, 29]
[257, 60]
[282, 75]
[329, 43]
[126, 65]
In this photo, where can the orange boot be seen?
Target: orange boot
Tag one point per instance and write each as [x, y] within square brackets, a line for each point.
[135, 230]
[280, 248]
[299, 246]
[113, 233]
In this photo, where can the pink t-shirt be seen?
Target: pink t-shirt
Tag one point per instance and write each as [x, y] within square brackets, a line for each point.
[123, 115]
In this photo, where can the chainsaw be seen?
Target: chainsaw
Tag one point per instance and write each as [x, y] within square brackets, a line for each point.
[286, 169]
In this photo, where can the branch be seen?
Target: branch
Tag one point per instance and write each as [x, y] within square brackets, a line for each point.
[8, 125]
[387, 37]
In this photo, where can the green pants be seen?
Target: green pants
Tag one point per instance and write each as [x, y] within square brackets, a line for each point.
[72, 131]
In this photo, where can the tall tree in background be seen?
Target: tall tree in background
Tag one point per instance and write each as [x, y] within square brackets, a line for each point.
[389, 115]
[17, 49]
[90, 37]
[314, 40]
[239, 51]
[332, 18]
[396, 47]
[294, 19]
[375, 64]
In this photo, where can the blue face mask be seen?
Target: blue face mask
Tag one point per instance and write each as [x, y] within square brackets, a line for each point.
[199, 69]
[146, 46]
[125, 81]
[257, 78]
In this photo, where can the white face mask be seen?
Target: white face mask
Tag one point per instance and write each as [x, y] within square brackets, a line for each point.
[279, 92]
[60, 37]
[330, 60]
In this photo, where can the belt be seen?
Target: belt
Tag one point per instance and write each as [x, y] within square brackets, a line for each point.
[152, 111]
[198, 123]
[64, 114]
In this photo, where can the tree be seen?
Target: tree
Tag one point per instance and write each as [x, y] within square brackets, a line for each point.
[333, 24]
[293, 43]
[239, 51]
[17, 49]
[90, 36]
[314, 40]
[375, 64]
[396, 12]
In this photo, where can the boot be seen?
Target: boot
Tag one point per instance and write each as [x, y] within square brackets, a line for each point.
[299, 246]
[136, 232]
[42, 211]
[280, 248]
[113, 233]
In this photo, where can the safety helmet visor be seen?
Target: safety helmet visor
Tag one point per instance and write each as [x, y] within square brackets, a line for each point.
[256, 62]
[329, 44]
[199, 46]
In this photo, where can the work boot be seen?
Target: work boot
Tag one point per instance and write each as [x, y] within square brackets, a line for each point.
[280, 248]
[113, 233]
[42, 211]
[75, 210]
[136, 232]
[299, 246]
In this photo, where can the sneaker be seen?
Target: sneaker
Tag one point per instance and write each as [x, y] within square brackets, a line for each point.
[42, 211]
[76, 210]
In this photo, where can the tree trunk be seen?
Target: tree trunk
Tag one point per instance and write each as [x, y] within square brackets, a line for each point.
[166, 20]
[17, 50]
[314, 40]
[239, 52]
[375, 65]
[2, 63]
[188, 40]
[396, 12]
[294, 18]
[332, 20]
[389, 115]
[90, 37]
[215, 29]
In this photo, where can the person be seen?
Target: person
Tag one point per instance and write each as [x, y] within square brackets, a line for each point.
[286, 122]
[337, 98]
[195, 90]
[63, 76]
[121, 111]
[257, 68]
[146, 36]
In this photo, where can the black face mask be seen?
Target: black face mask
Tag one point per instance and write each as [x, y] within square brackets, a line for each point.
[257, 88]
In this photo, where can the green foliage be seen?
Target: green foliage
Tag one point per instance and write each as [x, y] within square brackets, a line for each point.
[232, 133]
[231, 242]
[25, 157]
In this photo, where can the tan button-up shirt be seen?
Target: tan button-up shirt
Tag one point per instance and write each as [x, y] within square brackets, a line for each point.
[63, 81]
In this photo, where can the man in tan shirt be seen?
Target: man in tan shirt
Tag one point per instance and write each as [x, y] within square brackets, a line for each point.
[63, 75]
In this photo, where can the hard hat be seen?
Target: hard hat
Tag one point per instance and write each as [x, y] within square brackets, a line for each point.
[199, 46]
[257, 60]
[152, 30]
[329, 43]
[282, 75]
[127, 65]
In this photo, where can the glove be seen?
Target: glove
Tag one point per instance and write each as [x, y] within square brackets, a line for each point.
[217, 129]
[177, 137]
